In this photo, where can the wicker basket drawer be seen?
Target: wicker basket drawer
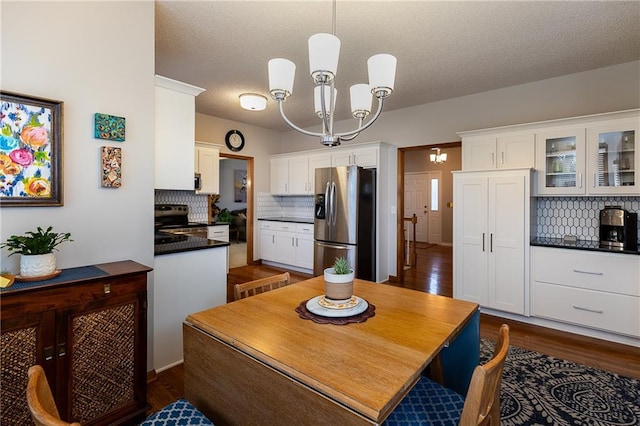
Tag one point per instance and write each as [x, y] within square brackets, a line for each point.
[595, 309]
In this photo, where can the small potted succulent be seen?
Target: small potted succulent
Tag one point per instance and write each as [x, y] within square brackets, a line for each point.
[338, 280]
[36, 250]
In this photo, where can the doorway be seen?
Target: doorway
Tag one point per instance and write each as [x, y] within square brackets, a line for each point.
[240, 252]
[437, 222]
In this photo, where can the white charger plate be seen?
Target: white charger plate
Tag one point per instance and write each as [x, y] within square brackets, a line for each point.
[313, 305]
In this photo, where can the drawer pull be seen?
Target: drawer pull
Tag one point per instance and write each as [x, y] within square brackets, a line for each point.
[587, 272]
[582, 308]
[107, 288]
[48, 353]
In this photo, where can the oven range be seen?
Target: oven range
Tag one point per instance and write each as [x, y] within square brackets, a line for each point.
[171, 222]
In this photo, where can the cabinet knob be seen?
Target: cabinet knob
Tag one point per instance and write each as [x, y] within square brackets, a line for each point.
[107, 288]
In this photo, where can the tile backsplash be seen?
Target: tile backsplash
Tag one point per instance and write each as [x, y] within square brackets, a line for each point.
[198, 208]
[280, 206]
[559, 216]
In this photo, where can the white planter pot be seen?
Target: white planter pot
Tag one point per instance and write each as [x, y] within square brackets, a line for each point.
[338, 287]
[37, 265]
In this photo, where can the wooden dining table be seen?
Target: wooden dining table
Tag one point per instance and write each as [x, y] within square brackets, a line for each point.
[255, 361]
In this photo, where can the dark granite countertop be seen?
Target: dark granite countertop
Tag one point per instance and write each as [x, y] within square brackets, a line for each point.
[189, 244]
[288, 219]
[577, 245]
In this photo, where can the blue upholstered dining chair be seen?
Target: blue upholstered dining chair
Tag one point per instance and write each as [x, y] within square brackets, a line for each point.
[180, 412]
[430, 404]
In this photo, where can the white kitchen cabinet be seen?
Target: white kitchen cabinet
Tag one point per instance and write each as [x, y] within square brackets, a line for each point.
[207, 163]
[366, 157]
[218, 232]
[304, 245]
[561, 161]
[613, 157]
[498, 151]
[295, 175]
[174, 133]
[590, 289]
[491, 235]
[268, 240]
[287, 243]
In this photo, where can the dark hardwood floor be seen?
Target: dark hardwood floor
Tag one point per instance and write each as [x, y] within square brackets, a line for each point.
[434, 274]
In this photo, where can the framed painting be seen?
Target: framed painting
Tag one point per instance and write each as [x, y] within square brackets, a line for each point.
[240, 186]
[30, 151]
[111, 167]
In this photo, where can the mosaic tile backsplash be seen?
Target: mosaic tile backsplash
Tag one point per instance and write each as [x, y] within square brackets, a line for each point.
[559, 216]
[279, 206]
[198, 209]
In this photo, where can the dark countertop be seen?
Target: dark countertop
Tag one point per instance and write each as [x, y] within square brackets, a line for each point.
[288, 219]
[190, 244]
[578, 245]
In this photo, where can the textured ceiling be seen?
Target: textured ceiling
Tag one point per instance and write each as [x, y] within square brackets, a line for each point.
[444, 49]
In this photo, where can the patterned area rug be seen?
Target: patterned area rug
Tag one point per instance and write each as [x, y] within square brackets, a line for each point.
[542, 390]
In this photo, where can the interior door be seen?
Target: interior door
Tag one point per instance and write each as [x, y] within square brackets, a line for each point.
[434, 208]
[415, 202]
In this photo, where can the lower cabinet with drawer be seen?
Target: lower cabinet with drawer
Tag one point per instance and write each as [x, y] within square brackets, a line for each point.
[287, 243]
[590, 289]
[88, 330]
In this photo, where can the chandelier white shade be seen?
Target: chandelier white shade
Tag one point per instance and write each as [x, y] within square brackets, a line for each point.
[324, 52]
[253, 102]
[438, 157]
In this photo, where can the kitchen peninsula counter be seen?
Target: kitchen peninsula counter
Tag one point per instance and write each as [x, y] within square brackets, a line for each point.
[577, 245]
[189, 244]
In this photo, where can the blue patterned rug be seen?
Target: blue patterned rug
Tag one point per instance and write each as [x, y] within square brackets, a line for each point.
[542, 390]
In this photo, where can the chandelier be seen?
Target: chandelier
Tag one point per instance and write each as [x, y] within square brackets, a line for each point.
[438, 157]
[324, 50]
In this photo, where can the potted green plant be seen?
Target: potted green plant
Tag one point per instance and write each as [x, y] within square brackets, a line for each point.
[225, 216]
[36, 250]
[338, 280]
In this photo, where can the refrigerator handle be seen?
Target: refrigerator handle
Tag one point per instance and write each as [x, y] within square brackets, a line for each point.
[327, 204]
[333, 203]
[334, 246]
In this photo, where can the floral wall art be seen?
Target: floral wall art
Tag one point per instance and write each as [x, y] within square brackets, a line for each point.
[30, 151]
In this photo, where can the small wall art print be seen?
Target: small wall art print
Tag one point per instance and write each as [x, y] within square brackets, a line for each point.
[109, 127]
[111, 167]
[240, 186]
[30, 151]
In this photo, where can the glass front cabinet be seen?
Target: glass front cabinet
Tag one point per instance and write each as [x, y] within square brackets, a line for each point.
[613, 158]
[600, 158]
[561, 161]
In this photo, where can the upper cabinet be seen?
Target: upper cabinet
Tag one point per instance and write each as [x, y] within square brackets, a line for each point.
[503, 151]
[589, 155]
[174, 133]
[295, 175]
[596, 158]
[366, 157]
[207, 164]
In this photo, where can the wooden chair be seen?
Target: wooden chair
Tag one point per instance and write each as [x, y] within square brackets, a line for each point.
[480, 407]
[40, 400]
[45, 413]
[251, 288]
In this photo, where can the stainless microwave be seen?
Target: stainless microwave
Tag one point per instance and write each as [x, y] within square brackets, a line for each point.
[196, 182]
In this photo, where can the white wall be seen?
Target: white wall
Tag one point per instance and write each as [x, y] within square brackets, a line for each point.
[96, 57]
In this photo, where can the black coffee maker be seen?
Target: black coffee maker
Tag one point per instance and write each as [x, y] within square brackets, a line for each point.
[618, 229]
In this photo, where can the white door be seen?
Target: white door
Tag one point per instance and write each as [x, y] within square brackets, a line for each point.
[415, 202]
[423, 197]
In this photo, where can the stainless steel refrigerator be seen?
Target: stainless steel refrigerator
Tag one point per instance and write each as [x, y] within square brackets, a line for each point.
[345, 219]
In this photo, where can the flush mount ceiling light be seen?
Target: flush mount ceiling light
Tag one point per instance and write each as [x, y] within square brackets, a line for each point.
[438, 157]
[253, 102]
[324, 50]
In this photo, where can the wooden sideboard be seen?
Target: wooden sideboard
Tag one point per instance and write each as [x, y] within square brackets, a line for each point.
[88, 329]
